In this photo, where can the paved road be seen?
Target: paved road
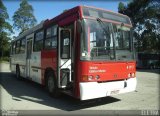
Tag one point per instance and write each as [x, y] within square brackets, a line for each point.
[26, 95]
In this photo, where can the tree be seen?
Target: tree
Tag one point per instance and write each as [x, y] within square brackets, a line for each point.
[5, 30]
[65, 10]
[145, 17]
[23, 18]
[121, 7]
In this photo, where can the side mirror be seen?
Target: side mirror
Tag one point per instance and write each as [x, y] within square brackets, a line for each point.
[79, 26]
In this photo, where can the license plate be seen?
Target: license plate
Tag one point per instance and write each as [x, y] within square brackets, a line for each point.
[114, 92]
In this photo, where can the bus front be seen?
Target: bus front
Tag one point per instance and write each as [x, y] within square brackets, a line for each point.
[107, 64]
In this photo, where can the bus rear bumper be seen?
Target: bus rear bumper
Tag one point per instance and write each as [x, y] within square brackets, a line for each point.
[91, 90]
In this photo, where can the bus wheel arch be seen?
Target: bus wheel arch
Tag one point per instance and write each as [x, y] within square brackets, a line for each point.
[51, 82]
[47, 70]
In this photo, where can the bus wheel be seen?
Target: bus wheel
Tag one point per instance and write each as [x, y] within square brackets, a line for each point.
[151, 66]
[18, 73]
[51, 85]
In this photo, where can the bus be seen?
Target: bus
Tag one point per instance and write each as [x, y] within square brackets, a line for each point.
[148, 60]
[85, 52]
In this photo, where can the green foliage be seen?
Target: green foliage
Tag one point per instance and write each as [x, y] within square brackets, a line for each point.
[4, 44]
[2, 59]
[121, 6]
[4, 25]
[145, 17]
[5, 31]
[65, 10]
[23, 18]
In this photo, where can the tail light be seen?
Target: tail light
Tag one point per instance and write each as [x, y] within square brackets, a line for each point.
[90, 78]
[131, 75]
[97, 77]
[84, 78]
[87, 78]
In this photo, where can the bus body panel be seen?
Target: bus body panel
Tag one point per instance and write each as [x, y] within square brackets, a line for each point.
[20, 60]
[48, 61]
[35, 67]
[108, 71]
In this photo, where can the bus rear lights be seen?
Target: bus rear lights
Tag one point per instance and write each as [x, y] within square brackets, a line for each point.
[90, 77]
[97, 77]
[87, 78]
[131, 75]
[130, 67]
[127, 67]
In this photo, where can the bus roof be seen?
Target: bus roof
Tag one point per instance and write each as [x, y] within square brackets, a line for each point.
[79, 9]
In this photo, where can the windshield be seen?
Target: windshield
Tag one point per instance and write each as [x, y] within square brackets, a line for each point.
[105, 41]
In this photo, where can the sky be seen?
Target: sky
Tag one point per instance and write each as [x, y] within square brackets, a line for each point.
[48, 9]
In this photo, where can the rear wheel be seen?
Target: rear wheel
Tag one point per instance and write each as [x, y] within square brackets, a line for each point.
[18, 73]
[52, 85]
[152, 66]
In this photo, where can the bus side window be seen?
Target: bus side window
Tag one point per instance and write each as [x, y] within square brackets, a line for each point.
[38, 41]
[51, 37]
[12, 48]
[65, 44]
[17, 48]
[22, 47]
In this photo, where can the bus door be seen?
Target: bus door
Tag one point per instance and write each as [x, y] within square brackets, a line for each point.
[28, 56]
[64, 57]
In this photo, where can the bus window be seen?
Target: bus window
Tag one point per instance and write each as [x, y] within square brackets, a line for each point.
[65, 44]
[29, 48]
[22, 47]
[17, 47]
[51, 37]
[38, 41]
[13, 48]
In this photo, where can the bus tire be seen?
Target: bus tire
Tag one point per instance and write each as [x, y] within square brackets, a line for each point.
[152, 66]
[18, 73]
[51, 85]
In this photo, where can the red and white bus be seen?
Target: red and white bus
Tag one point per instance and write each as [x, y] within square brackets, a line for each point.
[85, 52]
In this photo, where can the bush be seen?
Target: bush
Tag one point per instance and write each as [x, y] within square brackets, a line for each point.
[4, 59]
